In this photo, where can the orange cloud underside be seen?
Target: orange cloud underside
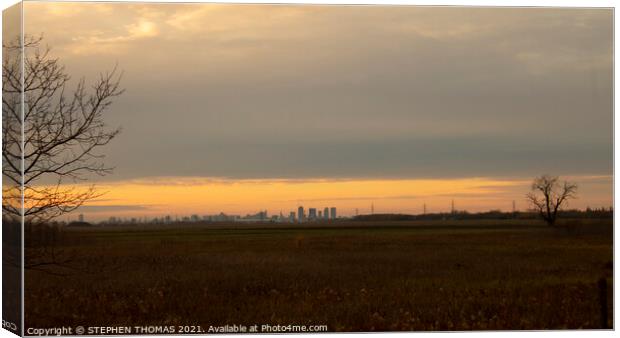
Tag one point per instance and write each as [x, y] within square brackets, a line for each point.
[184, 196]
[158, 197]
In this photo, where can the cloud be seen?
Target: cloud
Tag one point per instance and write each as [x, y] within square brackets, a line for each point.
[173, 181]
[238, 21]
[113, 208]
[299, 92]
[97, 41]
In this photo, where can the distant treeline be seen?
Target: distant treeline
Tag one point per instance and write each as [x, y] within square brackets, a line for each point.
[493, 214]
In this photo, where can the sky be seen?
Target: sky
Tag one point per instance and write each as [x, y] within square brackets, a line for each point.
[240, 108]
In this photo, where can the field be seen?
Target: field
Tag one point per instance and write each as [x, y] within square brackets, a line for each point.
[459, 275]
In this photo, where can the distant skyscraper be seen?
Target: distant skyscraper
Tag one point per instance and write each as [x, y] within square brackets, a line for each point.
[300, 214]
[291, 217]
[332, 213]
[312, 213]
[320, 214]
[326, 213]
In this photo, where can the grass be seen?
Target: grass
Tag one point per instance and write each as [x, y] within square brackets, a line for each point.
[446, 275]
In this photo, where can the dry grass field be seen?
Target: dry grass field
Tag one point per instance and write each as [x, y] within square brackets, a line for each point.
[348, 276]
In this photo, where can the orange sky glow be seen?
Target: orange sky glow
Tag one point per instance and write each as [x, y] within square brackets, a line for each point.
[173, 196]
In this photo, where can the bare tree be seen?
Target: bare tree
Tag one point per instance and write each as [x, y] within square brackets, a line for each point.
[547, 196]
[62, 131]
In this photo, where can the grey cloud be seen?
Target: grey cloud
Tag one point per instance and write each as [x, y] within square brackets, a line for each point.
[271, 157]
[358, 91]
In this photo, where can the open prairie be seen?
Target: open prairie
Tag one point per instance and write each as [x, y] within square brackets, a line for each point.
[355, 276]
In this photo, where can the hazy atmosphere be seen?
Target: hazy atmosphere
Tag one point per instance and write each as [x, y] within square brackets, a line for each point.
[240, 108]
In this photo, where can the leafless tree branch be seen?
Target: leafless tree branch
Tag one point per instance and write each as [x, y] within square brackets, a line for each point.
[62, 131]
[547, 196]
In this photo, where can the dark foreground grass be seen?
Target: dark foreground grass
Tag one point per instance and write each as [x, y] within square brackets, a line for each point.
[350, 278]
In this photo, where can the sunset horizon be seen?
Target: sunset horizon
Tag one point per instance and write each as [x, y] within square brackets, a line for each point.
[230, 107]
[185, 196]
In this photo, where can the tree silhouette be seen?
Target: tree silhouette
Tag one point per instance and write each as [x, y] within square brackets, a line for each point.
[62, 130]
[548, 195]
[50, 139]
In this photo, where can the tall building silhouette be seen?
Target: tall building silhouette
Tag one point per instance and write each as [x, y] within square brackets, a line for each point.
[332, 213]
[300, 214]
[311, 213]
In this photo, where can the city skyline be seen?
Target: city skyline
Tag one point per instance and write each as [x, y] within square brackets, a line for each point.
[329, 214]
[398, 106]
[151, 197]
[299, 216]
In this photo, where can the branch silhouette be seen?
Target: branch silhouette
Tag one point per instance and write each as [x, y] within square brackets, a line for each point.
[547, 196]
[63, 130]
